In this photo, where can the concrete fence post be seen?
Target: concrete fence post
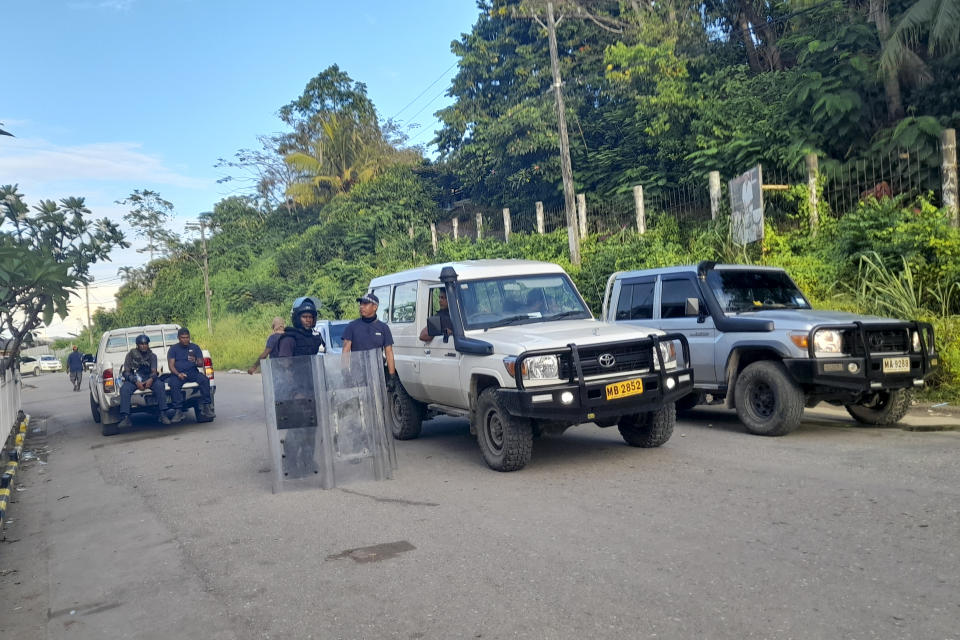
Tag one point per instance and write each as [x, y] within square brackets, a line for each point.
[479, 226]
[410, 232]
[948, 173]
[506, 224]
[582, 214]
[540, 224]
[433, 237]
[714, 194]
[638, 205]
[813, 173]
[456, 227]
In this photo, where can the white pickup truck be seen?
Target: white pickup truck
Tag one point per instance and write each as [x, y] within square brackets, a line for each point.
[106, 376]
[523, 356]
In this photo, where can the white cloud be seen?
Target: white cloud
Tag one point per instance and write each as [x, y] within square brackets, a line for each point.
[33, 160]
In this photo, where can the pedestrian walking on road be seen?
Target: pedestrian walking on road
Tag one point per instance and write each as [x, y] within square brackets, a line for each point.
[75, 367]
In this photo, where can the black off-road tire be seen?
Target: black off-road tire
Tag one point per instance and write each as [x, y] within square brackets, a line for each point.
[650, 429]
[94, 409]
[406, 414]
[769, 402]
[882, 408]
[506, 441]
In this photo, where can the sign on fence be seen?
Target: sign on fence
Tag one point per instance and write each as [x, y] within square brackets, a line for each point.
[746, 205]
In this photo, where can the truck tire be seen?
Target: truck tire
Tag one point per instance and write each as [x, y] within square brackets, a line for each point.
[406, 414]
[506, 441]
[650, 429]
[882, 408]
[769, 402]
[94, 409]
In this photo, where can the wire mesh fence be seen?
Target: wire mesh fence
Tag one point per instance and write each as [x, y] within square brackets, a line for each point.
[842, 186]
[898, 172]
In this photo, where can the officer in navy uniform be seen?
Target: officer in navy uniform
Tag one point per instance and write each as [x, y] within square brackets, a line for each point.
[300, 340]
[367, 332]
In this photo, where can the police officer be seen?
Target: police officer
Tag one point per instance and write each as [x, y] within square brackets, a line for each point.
[367, 332]
[299, 339]
[185, 361]
[140, 373]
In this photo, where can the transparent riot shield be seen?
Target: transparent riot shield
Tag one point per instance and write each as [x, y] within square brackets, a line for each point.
[326, 420]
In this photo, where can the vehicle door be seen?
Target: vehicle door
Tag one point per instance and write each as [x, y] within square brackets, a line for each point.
[402, 318]
[441, 372]
[674, 315]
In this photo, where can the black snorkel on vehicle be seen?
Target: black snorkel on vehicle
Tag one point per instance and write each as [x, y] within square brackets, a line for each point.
[463, 344]
[720, 319]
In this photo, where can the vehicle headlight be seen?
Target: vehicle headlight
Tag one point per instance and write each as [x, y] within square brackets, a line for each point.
[828, 342]
[542, 368]
[668, 351]
[915, 341]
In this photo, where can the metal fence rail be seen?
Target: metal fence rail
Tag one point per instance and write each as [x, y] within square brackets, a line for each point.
[9, 402]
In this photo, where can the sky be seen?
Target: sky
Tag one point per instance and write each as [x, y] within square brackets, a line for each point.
[108, 96]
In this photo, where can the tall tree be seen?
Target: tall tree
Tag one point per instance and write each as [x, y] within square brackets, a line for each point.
[149, 214]
[46, 257]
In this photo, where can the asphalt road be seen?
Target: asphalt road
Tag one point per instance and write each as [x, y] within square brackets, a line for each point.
[834, 531]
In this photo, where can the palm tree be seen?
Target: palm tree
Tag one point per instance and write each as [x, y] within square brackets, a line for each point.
[939, 19]
[343, 156]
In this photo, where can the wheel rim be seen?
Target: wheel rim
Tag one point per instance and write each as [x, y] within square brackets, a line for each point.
[493, 429]
[762, 399]
[396, 408]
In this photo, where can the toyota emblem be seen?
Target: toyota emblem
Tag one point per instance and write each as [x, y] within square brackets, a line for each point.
[606, 360]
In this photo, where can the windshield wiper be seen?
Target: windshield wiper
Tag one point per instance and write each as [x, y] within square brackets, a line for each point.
[565, 314]
[509, 320]
[763, 307]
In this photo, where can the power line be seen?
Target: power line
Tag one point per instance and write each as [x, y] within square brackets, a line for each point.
[439, 78]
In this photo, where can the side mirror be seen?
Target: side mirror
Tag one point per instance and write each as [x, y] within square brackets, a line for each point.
[433, 326]
[692, 307]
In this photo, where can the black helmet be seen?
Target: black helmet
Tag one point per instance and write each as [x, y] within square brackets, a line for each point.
[143, 339]
[303, 305]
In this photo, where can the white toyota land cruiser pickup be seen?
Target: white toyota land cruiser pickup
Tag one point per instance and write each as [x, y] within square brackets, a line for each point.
[106, 376]
[520, 354]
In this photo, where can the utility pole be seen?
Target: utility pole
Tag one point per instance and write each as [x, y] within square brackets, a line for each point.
[86, 290]
[206, 270]
[566, 167]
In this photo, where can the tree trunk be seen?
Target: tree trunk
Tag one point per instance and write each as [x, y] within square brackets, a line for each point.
[770, 49]
[891, 82]
[752, 58]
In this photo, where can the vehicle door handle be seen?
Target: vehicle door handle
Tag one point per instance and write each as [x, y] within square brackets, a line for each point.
[451, 355]
[427, 351]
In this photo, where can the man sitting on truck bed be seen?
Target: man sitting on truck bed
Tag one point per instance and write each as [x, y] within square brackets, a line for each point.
[139, 374]
[185, 360]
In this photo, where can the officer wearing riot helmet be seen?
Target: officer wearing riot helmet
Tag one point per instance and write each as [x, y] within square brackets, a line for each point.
[140, 374]
[299, 339]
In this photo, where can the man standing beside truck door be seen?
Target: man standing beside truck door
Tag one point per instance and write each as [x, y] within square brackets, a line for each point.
[366, 332]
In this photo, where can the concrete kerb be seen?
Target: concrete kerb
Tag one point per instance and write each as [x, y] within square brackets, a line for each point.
[13, 456]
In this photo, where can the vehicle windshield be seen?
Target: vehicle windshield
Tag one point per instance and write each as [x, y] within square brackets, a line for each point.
[48, 357]
[520, 300]
[336, 334]
[738, 291]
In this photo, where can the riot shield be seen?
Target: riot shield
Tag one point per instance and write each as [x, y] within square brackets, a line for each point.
[326, 420]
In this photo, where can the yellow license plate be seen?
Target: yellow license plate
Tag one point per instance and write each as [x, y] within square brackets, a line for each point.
[896, 365]
[623, 389]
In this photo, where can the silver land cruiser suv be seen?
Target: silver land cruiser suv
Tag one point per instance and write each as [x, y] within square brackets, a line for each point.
[520, 354]
[756, 341]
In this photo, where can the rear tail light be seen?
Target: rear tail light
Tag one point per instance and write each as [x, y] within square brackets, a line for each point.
[208, 367]
[108, 382]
